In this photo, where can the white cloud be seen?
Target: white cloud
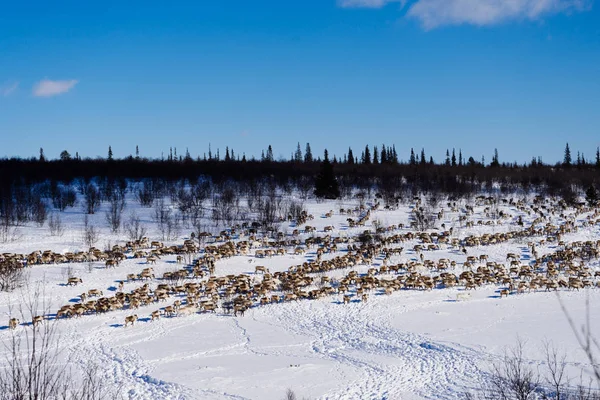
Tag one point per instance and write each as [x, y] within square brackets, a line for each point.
[48, 88]
[434, 13]
[9, 88]
[367, 3]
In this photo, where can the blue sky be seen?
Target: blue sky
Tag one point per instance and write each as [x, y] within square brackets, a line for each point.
[522, 76]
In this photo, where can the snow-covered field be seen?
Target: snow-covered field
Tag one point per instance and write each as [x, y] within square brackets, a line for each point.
[410, 344]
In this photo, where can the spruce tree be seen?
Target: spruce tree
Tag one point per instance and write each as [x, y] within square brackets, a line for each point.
[447, 162]
[453, 158]
[110, 153]
[367, 155]
[375, 155]
[567, 159]
[350, 156]
[326, 185]
[412, 160]
[423, 159]
[591, 196]
[308, 157]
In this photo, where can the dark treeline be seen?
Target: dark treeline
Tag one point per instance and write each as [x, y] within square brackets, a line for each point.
[417, 176]
[375, 168]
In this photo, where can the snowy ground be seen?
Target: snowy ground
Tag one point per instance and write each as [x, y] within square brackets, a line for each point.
[411, 344]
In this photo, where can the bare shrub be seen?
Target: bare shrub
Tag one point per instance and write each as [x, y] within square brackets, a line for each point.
[513, 377]
[63, 198]
[134, 228]
[146, 194]
[92, 199]
[422, 219]
[90, 234]
[295, 210]
[225, 206]
[39, 211]
[291, 395]
[115, 211]
[588, 343]
[166, 220]
[8, 221]
[55, 225]
[556, 377]
[35, 367]
[12, 276]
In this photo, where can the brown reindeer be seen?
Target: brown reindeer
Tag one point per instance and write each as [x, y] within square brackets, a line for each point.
[74, 281]
[130, 320]
[12, 323]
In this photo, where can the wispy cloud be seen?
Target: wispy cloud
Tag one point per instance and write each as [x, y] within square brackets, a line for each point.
[367, 3]
[48, 88]
[434, 13]
[9, 88]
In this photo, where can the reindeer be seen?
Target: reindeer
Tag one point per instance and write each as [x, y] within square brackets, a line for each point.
[13, 322]
[74, 281]
[130, 320]
[155, 315]
[94, 292]
[260, 268]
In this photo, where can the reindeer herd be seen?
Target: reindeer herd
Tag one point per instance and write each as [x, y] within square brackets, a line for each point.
[332, 262]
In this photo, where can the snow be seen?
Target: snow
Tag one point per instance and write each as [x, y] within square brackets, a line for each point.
[410, 344]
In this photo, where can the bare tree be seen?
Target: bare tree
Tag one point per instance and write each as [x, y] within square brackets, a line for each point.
[90, 234]
[12, 275]
[146, 194]
[39, 211]
[588, 343]
[55, 225]
[225, 206]
[134, 228]
[512, 377]
[115, 211]
[556, 365]
[167, 222]
[91, 199]
[8, 221]
[35, 367]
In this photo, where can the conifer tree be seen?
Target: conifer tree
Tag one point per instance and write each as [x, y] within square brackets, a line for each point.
[567, 158]
[308, 157]
[326, 185]
[350, 156]
[367, 155]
